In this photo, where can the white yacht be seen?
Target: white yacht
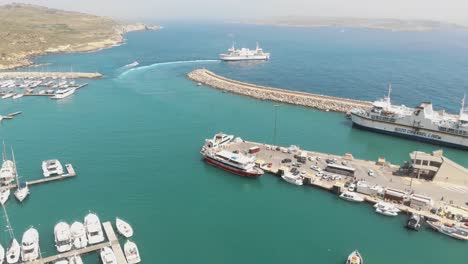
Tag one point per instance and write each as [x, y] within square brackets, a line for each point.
[384, 206]
[291, 178]
[78, 235]
[62, 235]
[219, 140]
[7, 171]
[93, 228]
[4, 194]
[124, 228]
[63, 93]
[13, 252]
[30, 245]
[8, 95]
[18, 95]
[131, 252]
[108, 256]
[76, 259]
[52, 167]
[62, 261]
[2, 254]
[352, 196]
[22, 189]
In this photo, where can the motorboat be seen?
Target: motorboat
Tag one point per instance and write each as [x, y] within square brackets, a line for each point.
[30, 245]
[4, 194]
[52, 167]
[78, 235]
[62, 261]
[93, 229]
[218, 141]
[76, 259]
[124, 228]
[13, 252]
[62, 234]
[414, 222]
[2, 254]
[131, 252]
[387, 207]
[352, 196]
[108, 256]
[293, 179]
[386, 212]
[18, 95]
[355, 258]
[449, 230]
[63, 93]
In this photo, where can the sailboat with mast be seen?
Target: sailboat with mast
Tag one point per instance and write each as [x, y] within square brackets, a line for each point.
[14, 250]
[22, 189]
[6, 177]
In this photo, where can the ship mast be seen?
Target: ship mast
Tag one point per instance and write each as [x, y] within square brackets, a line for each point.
[389, 93]
[16, 171]
[9, 228]
[4, 152]
[462, 109]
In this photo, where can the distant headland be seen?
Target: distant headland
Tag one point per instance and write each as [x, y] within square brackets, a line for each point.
[30, 30]
[370, 23]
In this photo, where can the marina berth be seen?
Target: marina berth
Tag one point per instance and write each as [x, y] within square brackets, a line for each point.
[317, 101]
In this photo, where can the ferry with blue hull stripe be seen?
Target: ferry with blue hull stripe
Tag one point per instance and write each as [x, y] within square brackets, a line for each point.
[422, 123]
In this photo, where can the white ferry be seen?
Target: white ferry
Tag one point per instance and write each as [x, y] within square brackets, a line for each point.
[421, 123]
[244, 54]
[233, 162]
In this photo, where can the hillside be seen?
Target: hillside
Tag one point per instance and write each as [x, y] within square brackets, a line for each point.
[28, 30]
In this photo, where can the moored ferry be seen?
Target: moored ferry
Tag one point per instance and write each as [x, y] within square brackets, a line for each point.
[233, 162]
[422, 123]
[244, 54]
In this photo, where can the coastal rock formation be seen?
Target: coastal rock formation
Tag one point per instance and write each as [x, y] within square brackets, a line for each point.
[29, 30]
[321, 102]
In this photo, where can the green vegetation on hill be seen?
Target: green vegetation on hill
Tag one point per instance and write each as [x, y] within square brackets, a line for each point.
[27, 30]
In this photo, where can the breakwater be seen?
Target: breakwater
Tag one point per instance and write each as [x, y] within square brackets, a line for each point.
[70, 75]
[322, 102]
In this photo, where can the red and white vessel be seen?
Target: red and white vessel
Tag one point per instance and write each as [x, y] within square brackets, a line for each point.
[233, 162]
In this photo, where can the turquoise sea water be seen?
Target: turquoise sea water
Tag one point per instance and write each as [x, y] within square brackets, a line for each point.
[134, 138]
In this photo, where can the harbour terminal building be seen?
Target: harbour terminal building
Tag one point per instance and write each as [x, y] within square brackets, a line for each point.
[435, 167]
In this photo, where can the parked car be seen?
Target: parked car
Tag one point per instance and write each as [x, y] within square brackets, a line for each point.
[370, 173]
[319, 174]
[352, 187]
[315, 168]
[286, 160]
[331, 161]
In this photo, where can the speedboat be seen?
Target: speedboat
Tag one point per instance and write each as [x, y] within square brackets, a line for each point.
[30, 245]
[62, 261]
[4, 194]
[108, 256]
[63, 93]
[76, 259]
[355, 258]
[291, 178]
[386, 212]
[351, 196]
[386, 206]
[449, 230]
[19, 95]
[131, 252]
[93, 228]
[13, 252]
[78, 235]
[414, 222]
[124, 228]
[22, 191]
[51, 167]
[62, 235]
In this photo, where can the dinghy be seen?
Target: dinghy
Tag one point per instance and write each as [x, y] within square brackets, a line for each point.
[355, 258]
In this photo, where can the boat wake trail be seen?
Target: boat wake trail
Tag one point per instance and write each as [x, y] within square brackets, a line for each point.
[154, 65]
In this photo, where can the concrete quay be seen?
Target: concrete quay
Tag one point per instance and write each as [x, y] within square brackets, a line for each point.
[69, 75]
[385, 175]
[322, 102]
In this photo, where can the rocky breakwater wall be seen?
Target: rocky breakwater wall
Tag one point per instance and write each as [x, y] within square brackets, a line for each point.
[322, 102]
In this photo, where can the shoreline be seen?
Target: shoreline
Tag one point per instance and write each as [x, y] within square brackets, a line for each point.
[317, 101]
[26, 59]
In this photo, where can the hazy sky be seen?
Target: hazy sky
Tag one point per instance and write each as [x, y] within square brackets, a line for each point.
[443, 10]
